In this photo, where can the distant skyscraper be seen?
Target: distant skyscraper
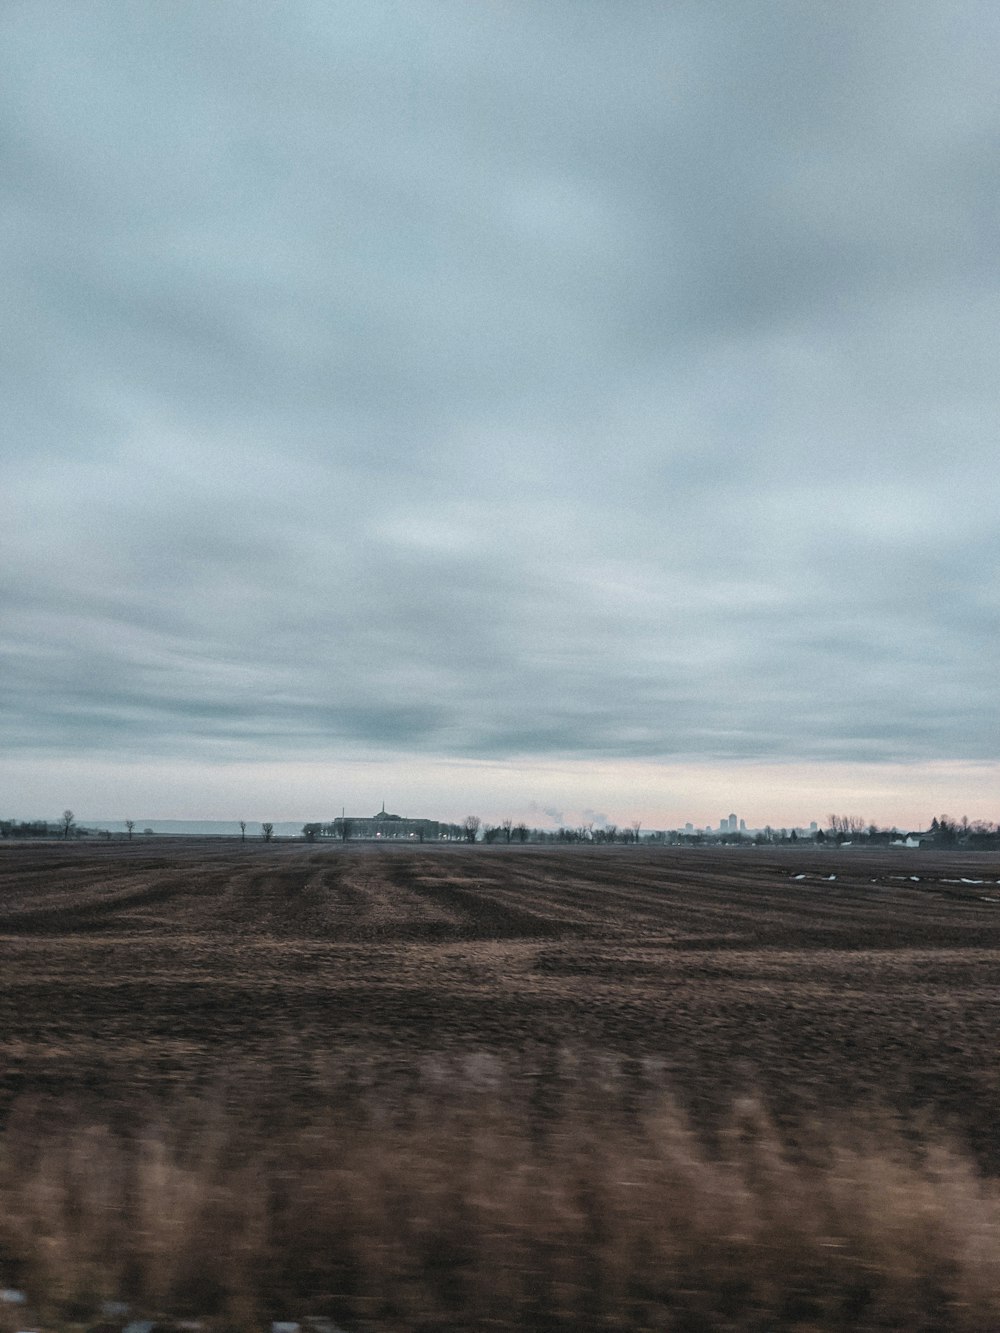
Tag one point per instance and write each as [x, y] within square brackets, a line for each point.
[733, 823]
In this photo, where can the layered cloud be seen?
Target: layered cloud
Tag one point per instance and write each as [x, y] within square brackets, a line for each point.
[497, 381]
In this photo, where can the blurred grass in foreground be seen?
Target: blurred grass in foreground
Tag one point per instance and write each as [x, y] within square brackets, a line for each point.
[461, 1202]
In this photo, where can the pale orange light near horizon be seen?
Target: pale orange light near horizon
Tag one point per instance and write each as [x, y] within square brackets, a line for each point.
[542, 792]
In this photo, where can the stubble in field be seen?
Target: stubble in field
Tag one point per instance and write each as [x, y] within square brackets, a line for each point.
[521, 1088]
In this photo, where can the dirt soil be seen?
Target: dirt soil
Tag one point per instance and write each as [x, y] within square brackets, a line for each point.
[823, 978]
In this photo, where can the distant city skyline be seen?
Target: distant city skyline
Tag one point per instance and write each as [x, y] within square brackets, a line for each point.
[535, 795]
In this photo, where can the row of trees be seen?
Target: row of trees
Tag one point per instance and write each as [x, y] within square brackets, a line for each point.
[26, 828]
[507, 831]
[943, 832]
[39, 828]
[976, 833]
[606, 833]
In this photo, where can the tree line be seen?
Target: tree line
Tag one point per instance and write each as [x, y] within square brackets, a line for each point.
[944, 832]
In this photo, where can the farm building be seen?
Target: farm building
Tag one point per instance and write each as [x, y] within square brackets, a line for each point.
[384, 825]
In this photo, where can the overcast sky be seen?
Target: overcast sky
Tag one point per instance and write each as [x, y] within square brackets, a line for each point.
[506, 406]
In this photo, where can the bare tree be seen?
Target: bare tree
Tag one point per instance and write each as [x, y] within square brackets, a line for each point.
[130, 825]
[507, 826]
[267, 832]
[310, 832]
[346, 829]
[521, 832]
[67, 822]
[471, 827]
[844, 827]
[636, 826]
[243, 830]
[947, 831]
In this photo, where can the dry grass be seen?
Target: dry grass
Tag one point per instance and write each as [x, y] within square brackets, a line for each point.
[457, 1203]
[420, 1126]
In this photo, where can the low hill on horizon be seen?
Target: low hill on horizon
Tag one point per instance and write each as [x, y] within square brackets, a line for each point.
[195, 827]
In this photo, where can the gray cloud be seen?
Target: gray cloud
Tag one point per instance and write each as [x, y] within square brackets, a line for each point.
[513, 380]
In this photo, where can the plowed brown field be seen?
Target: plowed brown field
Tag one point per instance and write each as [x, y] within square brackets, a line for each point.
[156, 965]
